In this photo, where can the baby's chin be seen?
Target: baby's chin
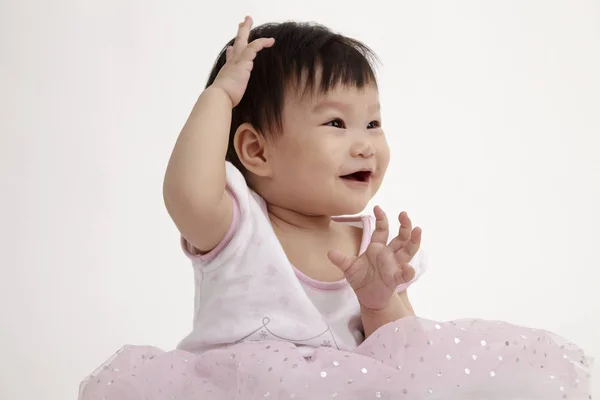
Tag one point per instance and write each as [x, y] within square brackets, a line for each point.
[349, 208]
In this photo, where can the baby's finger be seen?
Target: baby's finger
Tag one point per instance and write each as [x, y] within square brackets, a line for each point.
[405, 273]
[253, 48]
[241, 39]
[404, 232]
[228, 53]
[405, 226]
[414, 244]
[381, 232]
[340, 260]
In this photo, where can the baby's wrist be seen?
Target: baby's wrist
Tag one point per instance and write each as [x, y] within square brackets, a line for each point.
[215, 90]
[398, 307]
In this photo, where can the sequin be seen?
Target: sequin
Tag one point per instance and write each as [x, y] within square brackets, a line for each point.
[336, 364]
[429, 342]
[323, 374]
[350, 381]
[404, 391]
[364, 370]
[467, 371]
[456, 340]
[439, 373]
[492, 374]
[334, 395]
[438, 326]
[430, 391]
[396, 329]
[483, 342]
[474, 356]
[500, 358]
[267, 394]
[448, 356]
[378, 395]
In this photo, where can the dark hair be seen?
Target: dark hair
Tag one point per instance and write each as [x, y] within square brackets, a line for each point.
[300, 51]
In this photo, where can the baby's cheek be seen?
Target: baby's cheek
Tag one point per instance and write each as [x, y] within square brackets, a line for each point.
[383, 155]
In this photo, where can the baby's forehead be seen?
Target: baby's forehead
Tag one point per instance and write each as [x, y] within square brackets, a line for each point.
[314, 98]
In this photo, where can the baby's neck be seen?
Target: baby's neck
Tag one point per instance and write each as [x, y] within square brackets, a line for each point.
[289, 219]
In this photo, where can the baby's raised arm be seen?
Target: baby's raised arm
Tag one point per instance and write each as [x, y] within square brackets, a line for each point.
[194, 183]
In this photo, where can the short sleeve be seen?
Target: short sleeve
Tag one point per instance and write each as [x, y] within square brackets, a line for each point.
[240, 194]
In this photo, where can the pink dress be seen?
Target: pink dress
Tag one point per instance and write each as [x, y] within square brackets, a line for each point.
[412, 358]
[262, 329]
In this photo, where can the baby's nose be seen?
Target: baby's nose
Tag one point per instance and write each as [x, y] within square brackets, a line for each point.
[362, 148]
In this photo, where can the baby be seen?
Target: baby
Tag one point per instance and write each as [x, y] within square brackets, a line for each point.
[297, 294]
[304, 144]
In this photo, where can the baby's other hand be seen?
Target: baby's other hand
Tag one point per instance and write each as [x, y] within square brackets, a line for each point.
[377, 273]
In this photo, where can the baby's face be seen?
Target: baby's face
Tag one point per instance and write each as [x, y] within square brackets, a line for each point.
[332, 155]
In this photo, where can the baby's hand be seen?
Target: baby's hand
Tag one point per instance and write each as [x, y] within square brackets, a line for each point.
[376, 274]
[235, 73]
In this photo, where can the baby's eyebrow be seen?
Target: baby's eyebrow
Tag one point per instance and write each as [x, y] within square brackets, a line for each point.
[339, 105]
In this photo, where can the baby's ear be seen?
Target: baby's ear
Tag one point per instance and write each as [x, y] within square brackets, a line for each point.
[251, 148]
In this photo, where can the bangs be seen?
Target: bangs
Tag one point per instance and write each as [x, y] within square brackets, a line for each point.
[336, 63]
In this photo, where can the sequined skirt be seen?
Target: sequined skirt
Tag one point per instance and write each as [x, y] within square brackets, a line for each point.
[412, 358]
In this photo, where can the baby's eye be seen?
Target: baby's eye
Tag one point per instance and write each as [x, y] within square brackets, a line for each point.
[374, 125]
[336, 123]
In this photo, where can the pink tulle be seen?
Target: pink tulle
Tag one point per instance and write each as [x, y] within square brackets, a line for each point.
[412, 358]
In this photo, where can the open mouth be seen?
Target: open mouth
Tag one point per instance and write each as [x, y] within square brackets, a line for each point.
[358, 176]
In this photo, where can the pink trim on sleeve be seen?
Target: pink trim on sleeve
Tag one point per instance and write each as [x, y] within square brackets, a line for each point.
[193, 254]
[404, 286]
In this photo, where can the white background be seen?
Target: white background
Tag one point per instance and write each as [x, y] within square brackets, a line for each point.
[492, 109]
